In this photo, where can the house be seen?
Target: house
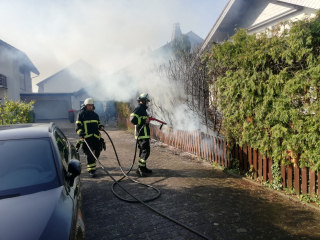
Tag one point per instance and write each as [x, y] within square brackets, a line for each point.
[49, 106]
[70, 79]
[256, 16]
[15, 72]
[55, 95]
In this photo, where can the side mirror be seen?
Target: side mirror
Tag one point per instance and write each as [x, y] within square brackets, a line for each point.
[74, 167]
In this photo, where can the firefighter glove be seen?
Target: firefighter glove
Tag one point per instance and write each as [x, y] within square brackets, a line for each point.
[102, 144]
[78, 145]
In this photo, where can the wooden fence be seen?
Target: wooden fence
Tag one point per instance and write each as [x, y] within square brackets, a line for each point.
[214, 149]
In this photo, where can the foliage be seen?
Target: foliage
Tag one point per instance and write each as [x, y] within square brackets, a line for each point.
[306, 198]
[250, 172]
[181, 45]
[235, 166]
[15, 112]
[276, 182]
[124, 108]
[269, 88]
[289, 191]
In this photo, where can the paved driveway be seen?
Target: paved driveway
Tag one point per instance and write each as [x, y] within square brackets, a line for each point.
[212, 202]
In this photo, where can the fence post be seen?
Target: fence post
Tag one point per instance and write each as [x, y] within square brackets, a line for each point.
[199, 147]
[194, 143]
[175, 138]
[283, 175]
[260, 164]
[289, 174]
[218, 150]
[255, 163]
[312, 182]
[245, 158]
[188, 141]
[297, 179]
[318, 193]
[304, 187]
[270, 170]
[215, 157]
[225, 154]
[207, 147]
[265, 168]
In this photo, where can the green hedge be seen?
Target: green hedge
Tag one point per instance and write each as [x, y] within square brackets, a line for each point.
[15, 112]
[268, 90]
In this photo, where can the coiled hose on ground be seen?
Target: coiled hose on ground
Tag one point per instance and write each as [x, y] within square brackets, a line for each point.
[137, 200]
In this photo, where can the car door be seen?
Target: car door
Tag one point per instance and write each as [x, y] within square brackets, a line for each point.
[68, 152]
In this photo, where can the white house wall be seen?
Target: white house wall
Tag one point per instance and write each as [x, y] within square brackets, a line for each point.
[27, 82]
[63, 83]
[10, 69]
[271, 11]
[315, 4]
[294, 17]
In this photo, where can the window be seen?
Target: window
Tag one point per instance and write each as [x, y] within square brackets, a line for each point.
[29, 170]
[22, 78]
[62, 143]
[3, 81]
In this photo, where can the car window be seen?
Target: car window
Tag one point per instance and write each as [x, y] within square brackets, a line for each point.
[63, 147]
[27, 166]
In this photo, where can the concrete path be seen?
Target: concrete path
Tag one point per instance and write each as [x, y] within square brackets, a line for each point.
[212, 202]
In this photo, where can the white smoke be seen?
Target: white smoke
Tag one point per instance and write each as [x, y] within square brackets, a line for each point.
[109, 35]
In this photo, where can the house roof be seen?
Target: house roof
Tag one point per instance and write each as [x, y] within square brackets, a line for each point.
[80, 63]
[21, 57]
[235, 10]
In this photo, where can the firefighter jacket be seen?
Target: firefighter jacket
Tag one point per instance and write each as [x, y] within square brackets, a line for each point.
[88, 124]
[138, 117]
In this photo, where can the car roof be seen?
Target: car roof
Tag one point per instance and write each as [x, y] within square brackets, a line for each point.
[23, 131]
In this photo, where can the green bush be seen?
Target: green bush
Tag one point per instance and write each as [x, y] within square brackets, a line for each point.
[269, 88]
[15, 112]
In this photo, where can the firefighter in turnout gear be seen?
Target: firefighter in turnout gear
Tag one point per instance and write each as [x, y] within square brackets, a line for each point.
[140, 119]
[87, 127]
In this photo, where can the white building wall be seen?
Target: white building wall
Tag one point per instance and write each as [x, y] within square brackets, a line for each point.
[26, 78]
[63, 83]
[272, 10]
[315, 4]
[9, 67]
[293, 16]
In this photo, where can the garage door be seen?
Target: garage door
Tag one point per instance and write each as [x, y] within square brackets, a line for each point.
[51, 109]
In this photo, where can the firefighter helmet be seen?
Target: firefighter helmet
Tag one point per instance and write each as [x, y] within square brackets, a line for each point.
[144, 97]
[88, 101]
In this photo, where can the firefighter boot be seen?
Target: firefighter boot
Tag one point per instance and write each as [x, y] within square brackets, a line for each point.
[147, 170]
[142, 171]
[92, 174]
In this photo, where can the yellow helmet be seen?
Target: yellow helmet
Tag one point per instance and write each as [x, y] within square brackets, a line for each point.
[88, 101]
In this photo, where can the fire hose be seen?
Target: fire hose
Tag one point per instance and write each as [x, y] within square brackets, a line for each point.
[136, 198]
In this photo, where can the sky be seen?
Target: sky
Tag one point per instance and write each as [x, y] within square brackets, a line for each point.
[108, 34]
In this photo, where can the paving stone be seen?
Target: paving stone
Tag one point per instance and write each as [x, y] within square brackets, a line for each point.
[191, 191]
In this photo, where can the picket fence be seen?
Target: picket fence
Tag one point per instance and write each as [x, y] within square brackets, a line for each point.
[214, 149]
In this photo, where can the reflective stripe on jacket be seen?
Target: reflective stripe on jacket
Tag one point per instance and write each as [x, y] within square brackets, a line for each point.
[138, 117]
[88, 124]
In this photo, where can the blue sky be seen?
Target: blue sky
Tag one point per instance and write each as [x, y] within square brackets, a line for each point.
[108, 34]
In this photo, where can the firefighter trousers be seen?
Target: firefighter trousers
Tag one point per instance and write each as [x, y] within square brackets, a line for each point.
[144, 146]
[91, 161]
[95, 146]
